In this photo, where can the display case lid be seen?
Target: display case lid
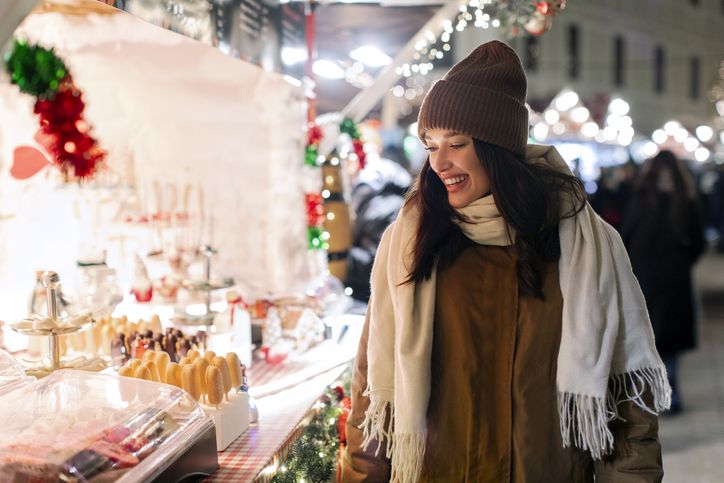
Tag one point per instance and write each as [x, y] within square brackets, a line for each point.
[12, 375]
[77, 426]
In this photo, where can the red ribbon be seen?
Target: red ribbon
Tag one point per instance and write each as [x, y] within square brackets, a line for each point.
[233, 303]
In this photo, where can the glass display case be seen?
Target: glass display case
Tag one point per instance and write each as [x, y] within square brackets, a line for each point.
[77, 426]
[12, 375]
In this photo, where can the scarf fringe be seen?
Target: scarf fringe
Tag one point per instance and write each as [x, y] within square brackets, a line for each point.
[377, 424]
[631, 386]
[584, 419]
[408, 451]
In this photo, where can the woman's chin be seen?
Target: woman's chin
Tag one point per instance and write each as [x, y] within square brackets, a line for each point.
[459, 202]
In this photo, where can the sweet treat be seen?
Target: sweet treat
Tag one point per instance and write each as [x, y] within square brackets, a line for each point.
[214, 386]
[134, 363]
[234, 370]
[201, 364]
[190, 381]
[151, 366]
[155, 323]
[184, 361]
[209, 355]
[126, 371]
[184, 347]
[221, 363]
[162, 361]
[173, 374]
[142, 372]
[193, 354]
[138, 348]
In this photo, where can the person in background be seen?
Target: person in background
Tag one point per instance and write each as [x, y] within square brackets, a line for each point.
[377, 196]
[606, 201]
[664, 235]
[717, 208]
[613, 193]
[506, 339]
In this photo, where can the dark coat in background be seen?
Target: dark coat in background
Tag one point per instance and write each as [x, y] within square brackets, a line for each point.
[376, 199]
[662, 257]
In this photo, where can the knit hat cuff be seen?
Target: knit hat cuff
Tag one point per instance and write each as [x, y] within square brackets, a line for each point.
[482, 113]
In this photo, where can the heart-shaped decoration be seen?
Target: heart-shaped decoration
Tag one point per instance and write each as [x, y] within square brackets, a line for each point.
[27, 161]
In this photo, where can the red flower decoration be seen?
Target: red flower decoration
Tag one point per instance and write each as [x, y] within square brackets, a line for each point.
[315, 210]
[65, 132]
[314, 135]
[359, 150]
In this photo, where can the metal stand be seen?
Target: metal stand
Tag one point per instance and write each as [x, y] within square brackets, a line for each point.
[206, 286]
[58, 326]
[51, 281]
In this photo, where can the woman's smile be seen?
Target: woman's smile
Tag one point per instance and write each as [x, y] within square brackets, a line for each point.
[456, 183]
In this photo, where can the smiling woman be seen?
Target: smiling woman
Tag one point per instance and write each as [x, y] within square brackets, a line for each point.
[505, 327]
[453, 159]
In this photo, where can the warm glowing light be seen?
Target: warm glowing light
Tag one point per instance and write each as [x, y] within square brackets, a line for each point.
[580, 114]
[540, 131]
[704, 133]
[566, 101]
[618, 107]
[659, 136]
[551, 116]
[702, 154]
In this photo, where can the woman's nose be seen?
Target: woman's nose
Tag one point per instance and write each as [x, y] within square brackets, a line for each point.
[439, 160]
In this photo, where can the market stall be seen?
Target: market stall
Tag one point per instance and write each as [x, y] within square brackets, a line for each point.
[172, 216]
[174, 255]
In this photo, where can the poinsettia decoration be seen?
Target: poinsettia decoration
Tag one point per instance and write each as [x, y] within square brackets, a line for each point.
[59, 105]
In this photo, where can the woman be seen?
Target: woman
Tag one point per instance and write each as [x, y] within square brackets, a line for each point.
[506, 339]
[664, 235]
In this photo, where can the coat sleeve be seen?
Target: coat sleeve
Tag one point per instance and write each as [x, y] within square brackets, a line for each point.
[359, 465]
[636, 455]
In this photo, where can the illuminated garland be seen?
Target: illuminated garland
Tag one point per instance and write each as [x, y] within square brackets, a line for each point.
[512, 17]
[350, 128]
[313, 201]
[59, 104]
[315, 455]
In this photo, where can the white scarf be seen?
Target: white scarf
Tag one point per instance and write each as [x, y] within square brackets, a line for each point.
[607, 353]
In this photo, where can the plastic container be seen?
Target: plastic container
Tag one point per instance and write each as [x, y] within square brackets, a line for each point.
[81, 426]
[12, 375]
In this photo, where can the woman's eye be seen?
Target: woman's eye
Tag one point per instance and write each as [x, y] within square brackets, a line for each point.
[430, 148]
[457, 146]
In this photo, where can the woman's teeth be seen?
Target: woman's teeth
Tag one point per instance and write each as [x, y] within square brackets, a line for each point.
[455, 180]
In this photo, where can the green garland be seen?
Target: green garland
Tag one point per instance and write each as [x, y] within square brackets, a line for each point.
[35, 70]
[313, 457]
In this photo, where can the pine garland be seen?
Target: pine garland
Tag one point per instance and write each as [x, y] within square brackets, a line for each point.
[313, 457]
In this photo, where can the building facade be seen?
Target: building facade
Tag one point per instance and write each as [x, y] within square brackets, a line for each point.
[661, 56]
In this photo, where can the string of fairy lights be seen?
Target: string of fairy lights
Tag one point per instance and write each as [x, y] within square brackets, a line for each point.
[431, 49]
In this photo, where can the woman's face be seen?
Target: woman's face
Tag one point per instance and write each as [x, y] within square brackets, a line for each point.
[453, 159]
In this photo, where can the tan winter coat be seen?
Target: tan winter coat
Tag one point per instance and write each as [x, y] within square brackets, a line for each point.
[493, 416]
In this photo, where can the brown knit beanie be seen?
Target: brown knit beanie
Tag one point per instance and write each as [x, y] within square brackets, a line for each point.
[483, 96]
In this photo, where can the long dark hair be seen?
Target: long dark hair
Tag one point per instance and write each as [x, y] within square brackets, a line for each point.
[528, 197]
